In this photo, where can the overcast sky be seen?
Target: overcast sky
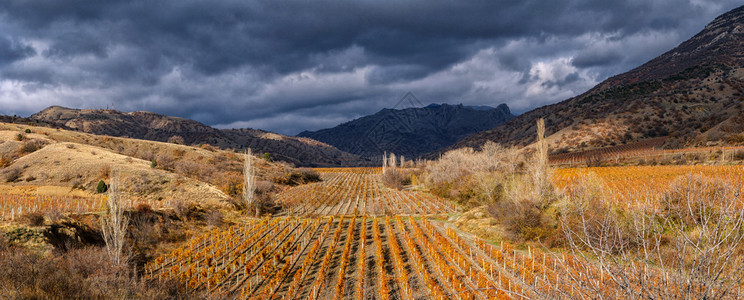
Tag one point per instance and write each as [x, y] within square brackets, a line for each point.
[288, 66]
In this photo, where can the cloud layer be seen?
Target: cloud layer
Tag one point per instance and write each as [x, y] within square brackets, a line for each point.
[288, 66]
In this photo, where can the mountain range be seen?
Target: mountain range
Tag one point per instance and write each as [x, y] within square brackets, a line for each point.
[691, 94]
[412, 131]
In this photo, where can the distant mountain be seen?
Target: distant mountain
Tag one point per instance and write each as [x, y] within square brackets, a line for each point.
[692, 94]
[156, 127]
[412, 131]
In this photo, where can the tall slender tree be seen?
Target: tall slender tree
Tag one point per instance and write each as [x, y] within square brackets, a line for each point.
[249, 182]
[114, 223]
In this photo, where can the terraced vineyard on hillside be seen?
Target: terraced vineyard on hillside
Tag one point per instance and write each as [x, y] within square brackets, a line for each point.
[647, 150]
[13, 205]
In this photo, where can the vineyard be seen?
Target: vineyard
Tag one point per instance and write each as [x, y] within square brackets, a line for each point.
[357, 191]
[12, 206]
[641, 148]
[647, 149]
[358, 258]
[342, 254]
[378, 258]
[637, 180]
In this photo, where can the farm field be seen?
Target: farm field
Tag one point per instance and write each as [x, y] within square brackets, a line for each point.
[647, 149]
[15, 205]
[353, 238]
[349, 191]
[376, 258]
[640, 148]
[358, 258]
[632, 180]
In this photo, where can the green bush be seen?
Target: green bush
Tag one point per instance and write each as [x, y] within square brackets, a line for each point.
[153, 163]
[102, 187]
[28, 130]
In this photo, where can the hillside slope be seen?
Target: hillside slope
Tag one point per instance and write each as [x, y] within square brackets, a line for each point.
[692, 94]
[412, 131]
[156, 127]
[55, 162]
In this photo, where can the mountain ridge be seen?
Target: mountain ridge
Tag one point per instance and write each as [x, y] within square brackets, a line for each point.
[692, 94]
[411, 131]
[157, 127]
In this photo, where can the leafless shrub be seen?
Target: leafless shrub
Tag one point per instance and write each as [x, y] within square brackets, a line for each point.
[6, 159]
[522, 200]
[143, 229]
[214, 217]
[451, 166]
[688, 248]
[176, 139]
[80, 273]
[187, 168]
[462, 163]
[181, 208]
[306, 175]
[12, 174]
[104, 172]
[33, 218]
[141, 184]
[393, 178]
[263, 186]
[66, 177]
[495, 157]
[739, 155]
[30, 146]
[54, 214]
[165, 161]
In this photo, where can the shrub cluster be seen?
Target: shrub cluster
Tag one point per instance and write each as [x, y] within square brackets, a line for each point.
[76, 274]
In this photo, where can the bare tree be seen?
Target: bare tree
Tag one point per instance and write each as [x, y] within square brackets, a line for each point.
[249, 182]
[540, 162]
[114, 223]
[384, 162]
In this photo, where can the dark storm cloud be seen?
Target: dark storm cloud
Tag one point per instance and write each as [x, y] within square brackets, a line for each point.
[293, 65]
[11, 51]
[586, 59]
